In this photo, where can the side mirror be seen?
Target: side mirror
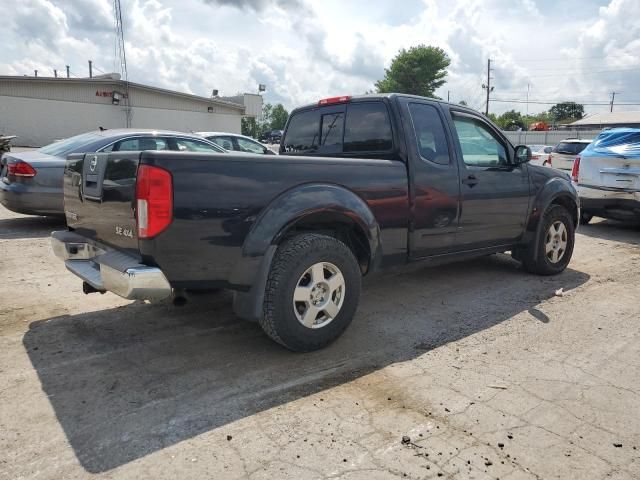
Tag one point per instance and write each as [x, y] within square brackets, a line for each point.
[523, 154]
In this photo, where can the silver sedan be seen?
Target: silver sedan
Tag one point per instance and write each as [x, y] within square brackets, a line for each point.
[31, 182]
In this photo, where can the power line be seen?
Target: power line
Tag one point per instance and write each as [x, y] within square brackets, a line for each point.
[539, 102]
[557, 59]
[582, 72]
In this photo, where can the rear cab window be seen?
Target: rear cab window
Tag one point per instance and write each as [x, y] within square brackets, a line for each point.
[358, 129]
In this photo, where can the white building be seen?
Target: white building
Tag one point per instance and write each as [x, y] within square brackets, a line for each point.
[40, 110]
[608, 120]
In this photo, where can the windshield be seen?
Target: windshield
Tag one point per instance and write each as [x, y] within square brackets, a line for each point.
[70, 145]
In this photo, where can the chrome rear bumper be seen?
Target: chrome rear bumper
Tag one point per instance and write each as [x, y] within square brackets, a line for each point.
[109, 270]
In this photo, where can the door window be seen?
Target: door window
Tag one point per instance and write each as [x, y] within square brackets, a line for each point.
[224, 142]
[302, 133]
[138, 144]
[432, 141]
[479, 145]
[249, 146]
[368, 128]
[190, 145]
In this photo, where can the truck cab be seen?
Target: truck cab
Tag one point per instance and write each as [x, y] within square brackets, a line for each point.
[467, 188]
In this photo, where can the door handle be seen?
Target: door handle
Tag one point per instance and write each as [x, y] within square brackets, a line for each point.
[471, 180]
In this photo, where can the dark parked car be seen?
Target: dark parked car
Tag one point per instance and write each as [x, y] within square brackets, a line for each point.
[274, 136]
[362, 184]
[31, 182]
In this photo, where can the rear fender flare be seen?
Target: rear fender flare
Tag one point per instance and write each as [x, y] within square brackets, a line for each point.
[250, 275]
[294, 205]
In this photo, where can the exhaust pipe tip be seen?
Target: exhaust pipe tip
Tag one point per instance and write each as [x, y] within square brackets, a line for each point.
[87, 289]
[179, 297]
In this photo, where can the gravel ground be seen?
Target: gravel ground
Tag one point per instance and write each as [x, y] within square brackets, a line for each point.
[474, 370]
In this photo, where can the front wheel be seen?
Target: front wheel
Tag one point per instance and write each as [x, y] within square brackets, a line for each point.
[312, 292]
[554, 243]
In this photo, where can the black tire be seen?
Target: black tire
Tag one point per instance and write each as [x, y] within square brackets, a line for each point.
[585, 218]
[292, 259]
[536, 260]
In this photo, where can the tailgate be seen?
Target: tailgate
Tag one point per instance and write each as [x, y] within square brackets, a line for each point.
[99, 197]
[610, 172]
[612, 161]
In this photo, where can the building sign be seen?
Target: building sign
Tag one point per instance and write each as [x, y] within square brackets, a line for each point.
[109, 93]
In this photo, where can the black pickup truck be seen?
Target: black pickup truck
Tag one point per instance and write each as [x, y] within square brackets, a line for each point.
[361, 184]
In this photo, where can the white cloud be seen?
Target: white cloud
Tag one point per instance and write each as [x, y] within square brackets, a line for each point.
[306, 50]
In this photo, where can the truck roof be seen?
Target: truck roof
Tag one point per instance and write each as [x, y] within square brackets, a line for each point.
[374, 96]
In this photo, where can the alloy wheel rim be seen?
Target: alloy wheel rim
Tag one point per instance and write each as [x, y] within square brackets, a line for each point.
[556, 242]
[318, 295]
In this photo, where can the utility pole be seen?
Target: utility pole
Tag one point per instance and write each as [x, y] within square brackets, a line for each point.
[90, 69]
[488, 86]
[67, 71]
[613, 97]
[447, 95]
[35, 73]
[55, 73]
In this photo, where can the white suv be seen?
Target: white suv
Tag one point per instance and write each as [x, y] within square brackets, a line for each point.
[608, 176]
[563, 154]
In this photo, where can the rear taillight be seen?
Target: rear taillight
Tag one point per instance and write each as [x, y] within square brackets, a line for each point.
[21, 169]
[550, 160]
[575, 171]
[154, 200]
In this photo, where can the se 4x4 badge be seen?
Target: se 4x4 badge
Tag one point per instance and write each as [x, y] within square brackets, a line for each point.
[124, 232]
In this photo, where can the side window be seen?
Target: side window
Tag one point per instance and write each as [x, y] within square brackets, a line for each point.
[368, 128]
[430, 135]
[188, 145]
[332, 127]
[224, 142]
[140, 143]
[249, 146]
[302, 133]
[480, 147]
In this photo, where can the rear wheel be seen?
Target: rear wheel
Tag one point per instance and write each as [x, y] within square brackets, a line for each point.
[555, 243]
[312, 292]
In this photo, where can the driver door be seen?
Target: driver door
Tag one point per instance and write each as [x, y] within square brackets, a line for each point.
[494, 190]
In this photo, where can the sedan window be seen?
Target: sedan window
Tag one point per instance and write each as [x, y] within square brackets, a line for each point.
[249, 146]
[138, 144]
[224, 142]
[190, 145]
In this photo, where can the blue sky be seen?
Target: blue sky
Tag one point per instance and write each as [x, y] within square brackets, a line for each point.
[305, 50]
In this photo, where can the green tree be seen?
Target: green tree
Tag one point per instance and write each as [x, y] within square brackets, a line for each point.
[249, 127]
[463, 103]
[420, 70]
[510, 120]
[567, 111]
[279, 116]
[274, 117]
